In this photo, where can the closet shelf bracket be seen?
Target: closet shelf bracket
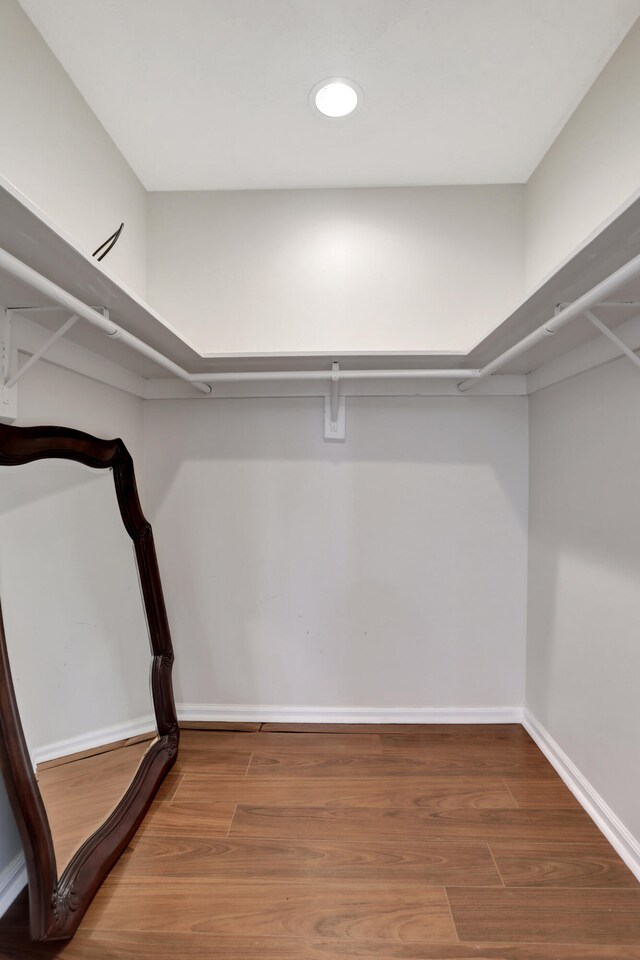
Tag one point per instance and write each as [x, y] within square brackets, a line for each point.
[564, 313]
[620, 344]
[11, 372]
[68, 301]
[9, 358]
[604, 329]
[335, 413]
[11, 380]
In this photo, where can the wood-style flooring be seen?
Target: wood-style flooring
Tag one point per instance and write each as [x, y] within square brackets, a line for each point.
[79, 795]
[377, 843]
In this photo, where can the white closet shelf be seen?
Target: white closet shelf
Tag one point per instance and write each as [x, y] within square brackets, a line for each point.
[31, 237]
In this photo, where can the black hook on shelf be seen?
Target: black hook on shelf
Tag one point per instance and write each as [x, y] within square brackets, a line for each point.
[109, 243]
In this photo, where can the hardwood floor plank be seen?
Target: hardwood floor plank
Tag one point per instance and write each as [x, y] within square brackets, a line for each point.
[350, 728]
[305, 909]
[271, 948]
[444, 732]
[114, 944]
[433, 793]
[129, 945]
[282, 743]
[373, 861]
[484, 748]
[561, 865]
[451, 733]
[394, 764]
[360, 823]
[547, 915]
[169, 786]
[201, 758]
[542, 793]
[171, 818]
[226, 725]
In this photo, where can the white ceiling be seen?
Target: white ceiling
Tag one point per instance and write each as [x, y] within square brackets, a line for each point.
[213, 94]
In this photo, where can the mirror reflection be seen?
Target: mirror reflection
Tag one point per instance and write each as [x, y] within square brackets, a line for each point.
[76, 635]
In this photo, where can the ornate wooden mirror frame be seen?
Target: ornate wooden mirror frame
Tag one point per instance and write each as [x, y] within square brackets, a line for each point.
[57, 904]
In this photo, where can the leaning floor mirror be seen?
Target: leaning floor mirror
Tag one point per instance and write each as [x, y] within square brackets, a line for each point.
[88, 727]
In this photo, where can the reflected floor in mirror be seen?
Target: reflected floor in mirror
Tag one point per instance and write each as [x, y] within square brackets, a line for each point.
[80, 792]
[393, 843]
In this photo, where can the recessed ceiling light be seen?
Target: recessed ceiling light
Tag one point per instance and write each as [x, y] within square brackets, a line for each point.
[336, 97]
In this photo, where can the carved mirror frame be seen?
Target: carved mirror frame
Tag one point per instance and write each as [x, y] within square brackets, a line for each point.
[57, 904]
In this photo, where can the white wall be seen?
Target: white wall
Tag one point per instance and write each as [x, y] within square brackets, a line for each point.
[419, 269]
[51, 395]
[387, 571]
[591, 170]
[53, 148]
[583, 654]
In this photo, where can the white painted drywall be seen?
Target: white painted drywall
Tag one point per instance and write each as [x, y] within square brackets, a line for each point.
[583, 655]
[591, 170]
[416, 269]
[386, 571]
[49, 394]
[53, 148]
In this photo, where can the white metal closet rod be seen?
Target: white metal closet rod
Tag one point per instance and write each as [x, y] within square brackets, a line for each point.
[332, 375]
[60, 296]
[591, 298]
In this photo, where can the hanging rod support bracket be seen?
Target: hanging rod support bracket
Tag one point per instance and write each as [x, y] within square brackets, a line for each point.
[335, 408]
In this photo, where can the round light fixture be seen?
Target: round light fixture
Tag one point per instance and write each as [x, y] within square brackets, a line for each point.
[336, 97]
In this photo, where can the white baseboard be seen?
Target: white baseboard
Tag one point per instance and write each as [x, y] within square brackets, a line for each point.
[12, 879]
[269, 713]
[621, 839]
[95, 738]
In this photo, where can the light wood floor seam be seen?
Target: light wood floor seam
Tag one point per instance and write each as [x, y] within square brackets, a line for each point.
[453, 921]
[512, 796]
[495, 864]
[231, 821]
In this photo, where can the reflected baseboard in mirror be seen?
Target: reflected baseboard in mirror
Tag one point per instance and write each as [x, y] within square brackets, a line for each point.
[81, 601]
